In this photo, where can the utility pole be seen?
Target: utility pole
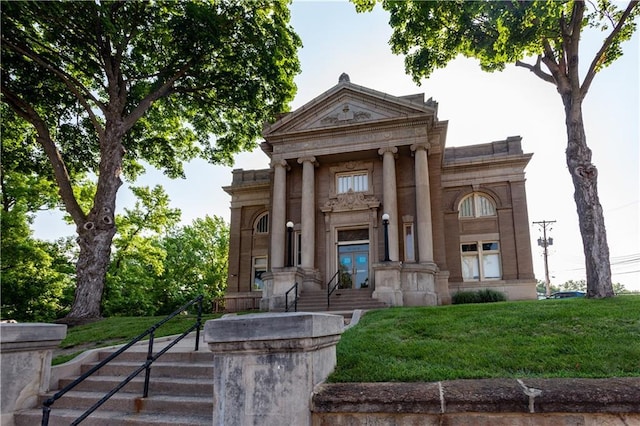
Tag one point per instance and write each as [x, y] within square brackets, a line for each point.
[545, 242]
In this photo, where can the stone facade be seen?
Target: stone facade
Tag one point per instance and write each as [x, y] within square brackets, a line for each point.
[457, 216]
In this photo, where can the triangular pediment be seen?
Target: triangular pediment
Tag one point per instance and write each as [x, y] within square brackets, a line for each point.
[347, 104]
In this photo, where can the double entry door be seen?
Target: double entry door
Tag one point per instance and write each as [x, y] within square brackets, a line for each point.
[354, 265]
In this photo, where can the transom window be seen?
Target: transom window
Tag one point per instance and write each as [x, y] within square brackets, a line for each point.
[477, 205]
[262, 224]
[480, 261]
[354, 181]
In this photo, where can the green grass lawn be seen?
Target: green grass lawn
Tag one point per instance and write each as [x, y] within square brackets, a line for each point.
[542, 338]
[117, 330]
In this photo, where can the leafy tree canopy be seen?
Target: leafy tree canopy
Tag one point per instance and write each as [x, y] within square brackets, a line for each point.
[106, 85]
[432, 33]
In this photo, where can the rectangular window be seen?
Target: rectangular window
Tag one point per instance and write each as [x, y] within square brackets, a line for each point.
[259, 268]
[481, 261]
[409, 245]
[356, 182]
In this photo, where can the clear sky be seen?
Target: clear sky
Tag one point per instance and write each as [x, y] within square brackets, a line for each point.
[480, 107]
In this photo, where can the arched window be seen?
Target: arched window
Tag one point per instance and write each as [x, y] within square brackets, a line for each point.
[476, 205]
[262, 224]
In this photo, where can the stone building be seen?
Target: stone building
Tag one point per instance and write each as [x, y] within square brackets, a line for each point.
[353, 156]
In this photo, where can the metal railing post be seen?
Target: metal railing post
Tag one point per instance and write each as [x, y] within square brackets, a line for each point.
[147, 370]
[198, 323]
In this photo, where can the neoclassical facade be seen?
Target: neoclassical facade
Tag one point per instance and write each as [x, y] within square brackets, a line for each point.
[457, 217]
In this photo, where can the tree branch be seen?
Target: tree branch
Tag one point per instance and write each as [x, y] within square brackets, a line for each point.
[537, 70]
[600, 56]
[72, 83]
[162, 91]
[61, 175]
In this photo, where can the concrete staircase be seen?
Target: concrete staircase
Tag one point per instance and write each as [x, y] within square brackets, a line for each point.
[180, 392]
[342, 300]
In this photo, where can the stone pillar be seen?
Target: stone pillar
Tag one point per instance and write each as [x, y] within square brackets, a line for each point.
[267, 365]
[25, 355]
[278, 214]
[423, 204]
[388, 280]
[390, 199]
[308, 212]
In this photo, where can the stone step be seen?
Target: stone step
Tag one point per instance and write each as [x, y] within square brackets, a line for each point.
[158, 369]
[64, 417]
[134, 403]
[139, 353]
[341, 300]
[158, 385]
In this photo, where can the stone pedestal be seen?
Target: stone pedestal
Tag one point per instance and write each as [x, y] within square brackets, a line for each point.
[266, 365]
[276, 285]
[25, 356]
[388, 283]
[418, 284]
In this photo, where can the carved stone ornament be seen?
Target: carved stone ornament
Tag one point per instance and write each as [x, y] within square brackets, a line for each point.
[346, 116]
[351, 201]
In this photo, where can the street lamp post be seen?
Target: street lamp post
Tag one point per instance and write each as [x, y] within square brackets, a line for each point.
[290, 251]
[385, 223]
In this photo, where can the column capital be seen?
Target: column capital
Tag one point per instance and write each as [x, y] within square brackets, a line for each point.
[281, 163]
[422, 145]
[385, 149]
[309, 158]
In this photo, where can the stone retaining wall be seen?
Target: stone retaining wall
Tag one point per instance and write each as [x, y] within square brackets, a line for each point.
[495, 402]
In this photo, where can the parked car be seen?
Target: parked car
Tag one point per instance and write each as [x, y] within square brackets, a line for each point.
[566, 294]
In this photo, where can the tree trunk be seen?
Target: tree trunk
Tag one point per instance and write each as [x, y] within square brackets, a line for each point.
[590, 216]
[93, 261]
[96, 233]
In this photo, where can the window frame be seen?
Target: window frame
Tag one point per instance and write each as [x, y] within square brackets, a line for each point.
[263, 217]
[351, 186]
[409, 242]
[258, 268]
[479, 201]
[481, 254]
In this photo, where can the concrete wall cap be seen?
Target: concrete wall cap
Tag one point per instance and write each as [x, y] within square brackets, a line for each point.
[31, 334]
[272, 326]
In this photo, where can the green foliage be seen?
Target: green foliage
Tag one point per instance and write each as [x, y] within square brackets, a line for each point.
[432, 33]
[571, 285]
[106, 86]
[541, 287]
[37, 277]
[541, 338]
[196, 263]
[157, 266]
[480, 296]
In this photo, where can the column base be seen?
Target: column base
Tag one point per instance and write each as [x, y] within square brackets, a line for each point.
[418, 284]
[388, 283]
[276, 284]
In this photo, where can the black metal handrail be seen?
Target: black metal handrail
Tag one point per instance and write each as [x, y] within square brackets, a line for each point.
[331, 289]
[294, 288]
[46, 406]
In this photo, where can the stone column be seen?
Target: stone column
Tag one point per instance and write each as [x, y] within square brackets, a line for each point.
[423, 204]
[278, 214]
[25, 354]
[308, 212]
[267, 365]
[390, 199]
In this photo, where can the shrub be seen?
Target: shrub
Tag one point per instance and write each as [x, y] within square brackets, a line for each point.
[480, 296]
